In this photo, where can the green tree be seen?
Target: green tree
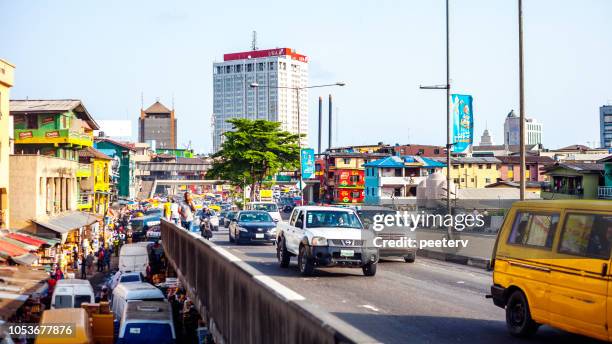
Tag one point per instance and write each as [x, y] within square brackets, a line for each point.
[254, 150]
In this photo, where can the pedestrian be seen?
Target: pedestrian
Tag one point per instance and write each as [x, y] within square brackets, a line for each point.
[101, 259]
[104, 294]
[83, 268]
[174, 211]
[89, 261]
[107, 259]
[116, 245]
[186, 210]
[59, 274]
[75, 259]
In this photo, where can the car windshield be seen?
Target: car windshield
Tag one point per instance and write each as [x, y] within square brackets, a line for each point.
[255, 217]
[332, 218]
[264, 206]
[231, 215]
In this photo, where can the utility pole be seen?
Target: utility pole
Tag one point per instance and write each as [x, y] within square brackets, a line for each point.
[521, 102]
[449, 144]
[320, 123]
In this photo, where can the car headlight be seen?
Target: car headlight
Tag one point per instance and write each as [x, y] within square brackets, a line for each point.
[319, 241]
[242, 229]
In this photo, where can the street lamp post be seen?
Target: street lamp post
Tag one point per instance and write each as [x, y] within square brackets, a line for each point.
[521, 102]
[449, 143]
[299, 131]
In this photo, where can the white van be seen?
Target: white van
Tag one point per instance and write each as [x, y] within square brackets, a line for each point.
[71, 293]
[126, 292]
[147, 322]
[134, 257]
[270, 207]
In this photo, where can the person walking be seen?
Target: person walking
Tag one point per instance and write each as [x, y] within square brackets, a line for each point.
[100, 259]
[186, 210]
[116, 245]
[107, 259]
[89, 261]
[174, 211]
[83, 267]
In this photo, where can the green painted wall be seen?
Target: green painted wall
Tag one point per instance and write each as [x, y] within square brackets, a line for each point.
[126, 169]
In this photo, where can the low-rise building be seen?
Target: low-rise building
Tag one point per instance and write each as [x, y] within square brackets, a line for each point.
[574, 180]
[394, 179]
[95, 186]
[124, 153]
[577, 153]
[605, 190]
[344, 176]
[473, 172]
[509, 168]
[6, 127]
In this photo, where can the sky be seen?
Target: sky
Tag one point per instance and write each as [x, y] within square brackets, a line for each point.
[109, 53]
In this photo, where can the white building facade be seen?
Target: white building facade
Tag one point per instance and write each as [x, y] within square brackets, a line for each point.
[533, 130]
[278, 72]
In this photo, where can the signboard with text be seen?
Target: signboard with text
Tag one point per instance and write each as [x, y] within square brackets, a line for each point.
[307, 161]
[463, 122]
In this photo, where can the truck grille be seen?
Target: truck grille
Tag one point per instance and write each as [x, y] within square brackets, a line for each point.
[346, 242]
[391, 236]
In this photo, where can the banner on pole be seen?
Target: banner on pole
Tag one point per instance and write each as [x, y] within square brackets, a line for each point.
[463, 122]
[307, 161]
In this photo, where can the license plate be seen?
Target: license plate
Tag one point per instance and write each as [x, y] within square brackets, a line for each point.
[347, 253]
[259, 236]
[153, 223]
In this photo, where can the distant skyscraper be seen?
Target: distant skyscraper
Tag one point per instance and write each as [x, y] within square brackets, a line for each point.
[605, 126]
[533, 130]
[485, 139]
[157, 123]
[282, 69]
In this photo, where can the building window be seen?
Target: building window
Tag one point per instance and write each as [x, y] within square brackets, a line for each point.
[455, 167]
[346, 161]
[472, 180]
[488, 166]
[260, 67]
[249, 67]
[228, 69]
[462, 180]
[480, 167]
[488, 180]
[421, 151]
[238, 68]
[271, 65]
[456, 180]
[470, 165]
[436, 151]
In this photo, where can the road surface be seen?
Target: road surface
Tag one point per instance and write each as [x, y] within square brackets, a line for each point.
[426, 302]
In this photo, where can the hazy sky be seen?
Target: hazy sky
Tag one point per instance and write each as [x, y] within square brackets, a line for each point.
[108, 52]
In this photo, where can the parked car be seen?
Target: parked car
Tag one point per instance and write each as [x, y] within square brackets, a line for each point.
[551, 266]
[326, 236]
[252, 226]
[270, 207]
[395, 232]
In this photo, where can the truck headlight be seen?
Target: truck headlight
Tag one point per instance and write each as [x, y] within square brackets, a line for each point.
[319, 241]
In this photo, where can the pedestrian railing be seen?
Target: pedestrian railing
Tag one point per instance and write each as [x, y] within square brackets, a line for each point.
[241, 304]
[604, 192]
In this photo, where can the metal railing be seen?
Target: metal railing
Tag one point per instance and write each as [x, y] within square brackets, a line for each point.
[242, 305]
[604, 192]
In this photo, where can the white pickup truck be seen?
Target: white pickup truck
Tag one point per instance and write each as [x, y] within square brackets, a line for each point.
[325, 236]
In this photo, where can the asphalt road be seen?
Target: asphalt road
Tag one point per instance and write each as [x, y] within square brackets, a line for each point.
[428, 301]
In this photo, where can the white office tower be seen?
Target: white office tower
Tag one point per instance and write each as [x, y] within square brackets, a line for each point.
[533, 130]
[278, 74]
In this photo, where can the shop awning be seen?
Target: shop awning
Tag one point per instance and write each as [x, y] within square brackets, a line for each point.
[27, 239]
[48, 241]
[20, 243]
[8, 249]
[67, 222]
[25, 259]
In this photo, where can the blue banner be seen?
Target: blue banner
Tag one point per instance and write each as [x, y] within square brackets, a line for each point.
[463, 122]
[307, 160]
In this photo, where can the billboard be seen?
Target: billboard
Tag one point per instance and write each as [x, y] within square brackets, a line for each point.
[307, 162]
[463, 122]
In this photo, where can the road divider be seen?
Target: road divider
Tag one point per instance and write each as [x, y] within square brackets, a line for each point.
[241, 304]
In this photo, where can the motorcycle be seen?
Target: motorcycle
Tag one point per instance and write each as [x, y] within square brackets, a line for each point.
[205, 228]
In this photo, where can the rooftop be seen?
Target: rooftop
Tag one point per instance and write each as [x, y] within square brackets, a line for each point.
[24, 106]
[157, 107]
[90, 152]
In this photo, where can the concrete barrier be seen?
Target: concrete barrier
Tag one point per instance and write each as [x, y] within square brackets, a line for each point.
[241, 304]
